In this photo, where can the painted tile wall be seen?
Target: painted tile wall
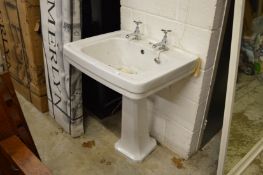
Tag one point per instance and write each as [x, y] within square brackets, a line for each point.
[178, 111]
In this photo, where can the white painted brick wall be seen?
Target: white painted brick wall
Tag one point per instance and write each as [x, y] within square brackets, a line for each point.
[178, 110]
[183, 112]
[206, 13]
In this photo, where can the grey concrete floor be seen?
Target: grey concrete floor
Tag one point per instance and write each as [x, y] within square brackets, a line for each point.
[64, 155]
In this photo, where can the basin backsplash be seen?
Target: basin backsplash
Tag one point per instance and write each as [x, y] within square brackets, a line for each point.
[179, 110]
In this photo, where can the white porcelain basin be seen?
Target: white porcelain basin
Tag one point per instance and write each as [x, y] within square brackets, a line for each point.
[128, 66]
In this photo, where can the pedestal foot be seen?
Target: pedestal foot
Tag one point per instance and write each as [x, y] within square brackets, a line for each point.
[137, 156]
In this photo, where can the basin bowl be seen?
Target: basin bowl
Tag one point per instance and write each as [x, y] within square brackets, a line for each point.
[128, 66]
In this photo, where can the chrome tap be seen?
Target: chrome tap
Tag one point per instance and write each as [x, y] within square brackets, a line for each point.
[136, 34]
[163, 44]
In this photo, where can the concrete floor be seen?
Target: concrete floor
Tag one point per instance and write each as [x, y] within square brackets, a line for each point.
[247, 120]
[67, 156]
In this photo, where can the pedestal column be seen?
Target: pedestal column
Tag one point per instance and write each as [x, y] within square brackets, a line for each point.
[135, 141]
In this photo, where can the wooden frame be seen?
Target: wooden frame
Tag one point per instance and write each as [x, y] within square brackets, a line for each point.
[17, 158]
[232, 77]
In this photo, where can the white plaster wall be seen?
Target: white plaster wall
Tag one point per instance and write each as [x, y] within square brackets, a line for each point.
[178, 111]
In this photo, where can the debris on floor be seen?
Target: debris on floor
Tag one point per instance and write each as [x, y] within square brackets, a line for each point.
[103, 161]
[108, 163]
[178, 162]
[57, 132]
[88, 144]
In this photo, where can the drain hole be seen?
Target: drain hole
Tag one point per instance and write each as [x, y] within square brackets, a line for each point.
[142, 51]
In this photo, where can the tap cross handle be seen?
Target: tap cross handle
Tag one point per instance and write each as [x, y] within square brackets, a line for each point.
[137, 22]
[166, 31]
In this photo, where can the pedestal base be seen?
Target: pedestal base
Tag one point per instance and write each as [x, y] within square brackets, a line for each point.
[137, 156]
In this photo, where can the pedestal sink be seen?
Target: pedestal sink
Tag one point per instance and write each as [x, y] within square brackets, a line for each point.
[128, 67]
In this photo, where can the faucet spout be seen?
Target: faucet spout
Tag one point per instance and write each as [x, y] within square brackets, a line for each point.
[134, 36]
[156, 45]
[161, 46]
